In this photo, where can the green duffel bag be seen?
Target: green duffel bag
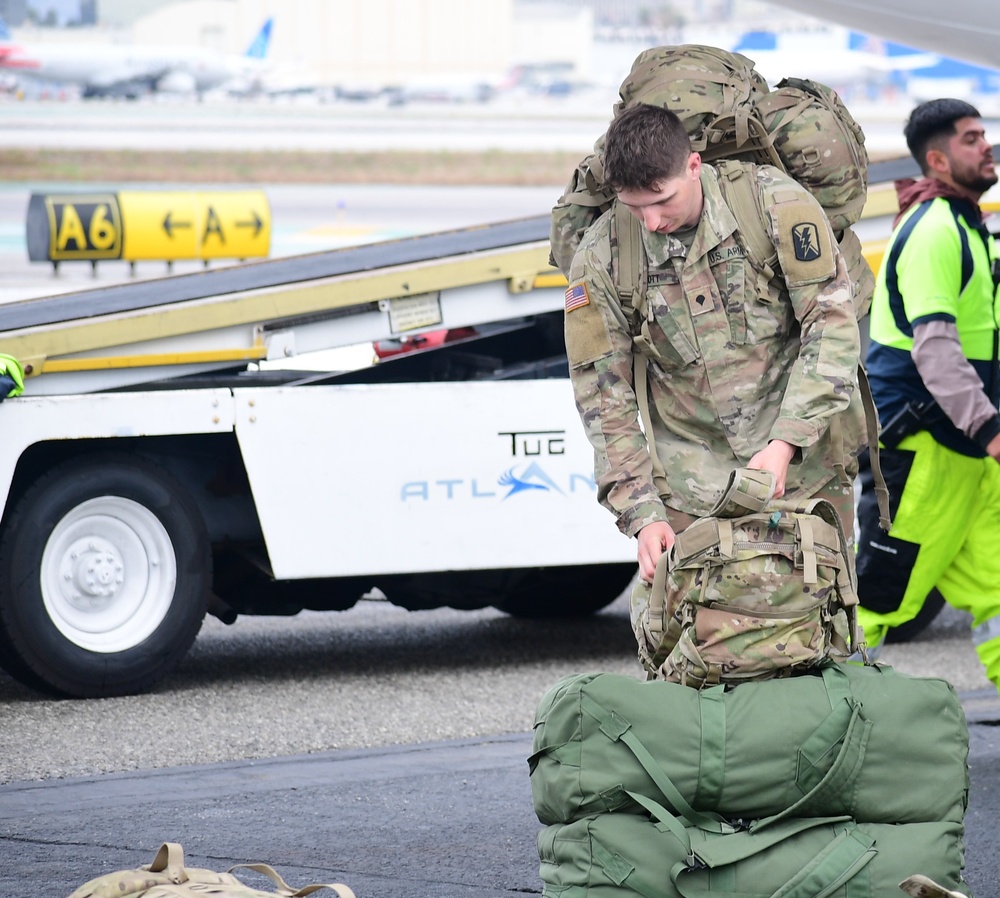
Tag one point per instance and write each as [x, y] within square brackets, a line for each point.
[864, 742]
[625, 855]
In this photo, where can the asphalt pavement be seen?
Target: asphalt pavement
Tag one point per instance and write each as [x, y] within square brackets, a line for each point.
[448, 819]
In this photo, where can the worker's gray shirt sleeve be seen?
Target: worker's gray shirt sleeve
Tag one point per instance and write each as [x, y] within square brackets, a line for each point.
[952, 381]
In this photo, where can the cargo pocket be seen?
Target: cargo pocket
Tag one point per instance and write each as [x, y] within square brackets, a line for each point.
[666, 334]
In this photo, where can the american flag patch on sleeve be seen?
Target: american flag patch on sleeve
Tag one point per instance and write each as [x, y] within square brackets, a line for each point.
[577, 297]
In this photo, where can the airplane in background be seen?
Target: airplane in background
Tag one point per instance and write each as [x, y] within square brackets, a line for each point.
[836, 58]
[968, 30]
[132, 70]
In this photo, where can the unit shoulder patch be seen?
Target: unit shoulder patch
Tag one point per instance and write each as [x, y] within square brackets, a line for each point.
[805, 246]
[805, 240]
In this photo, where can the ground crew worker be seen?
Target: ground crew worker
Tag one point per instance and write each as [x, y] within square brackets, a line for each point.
[737, 377]
[11, 377]
[935, 379]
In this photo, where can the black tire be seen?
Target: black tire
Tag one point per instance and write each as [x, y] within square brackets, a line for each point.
[105, 571]
[549, 593]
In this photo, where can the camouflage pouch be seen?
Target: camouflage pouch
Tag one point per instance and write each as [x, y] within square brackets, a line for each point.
[820, 145]
[583, 201]
[167, 877]
[751, 591]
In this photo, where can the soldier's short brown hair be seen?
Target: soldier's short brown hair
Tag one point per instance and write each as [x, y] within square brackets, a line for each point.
[644, 146]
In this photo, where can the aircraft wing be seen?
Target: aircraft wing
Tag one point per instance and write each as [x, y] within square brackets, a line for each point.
[968, 30]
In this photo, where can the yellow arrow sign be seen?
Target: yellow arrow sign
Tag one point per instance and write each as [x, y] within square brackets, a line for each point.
[195, 225]
[234, 225]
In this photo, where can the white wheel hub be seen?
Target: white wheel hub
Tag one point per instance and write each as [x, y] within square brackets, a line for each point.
[108, 574]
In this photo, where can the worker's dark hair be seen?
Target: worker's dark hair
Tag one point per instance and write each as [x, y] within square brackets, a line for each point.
[932, 123]
[644, 146]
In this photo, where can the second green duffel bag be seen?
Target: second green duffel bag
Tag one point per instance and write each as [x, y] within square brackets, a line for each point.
[631, 856]
[864, 742]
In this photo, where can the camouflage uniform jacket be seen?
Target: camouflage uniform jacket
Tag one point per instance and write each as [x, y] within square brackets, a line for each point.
[728, 369]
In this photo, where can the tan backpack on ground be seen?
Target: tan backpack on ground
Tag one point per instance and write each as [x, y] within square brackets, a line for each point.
[167, 877]
[755, 589]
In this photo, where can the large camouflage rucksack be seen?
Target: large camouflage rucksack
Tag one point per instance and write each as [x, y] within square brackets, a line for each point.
[801, 127]
[754, 589]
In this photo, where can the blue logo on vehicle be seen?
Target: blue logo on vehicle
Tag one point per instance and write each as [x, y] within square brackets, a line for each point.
[533, 478]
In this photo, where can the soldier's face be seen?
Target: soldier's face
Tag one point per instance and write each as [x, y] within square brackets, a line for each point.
[970, 156]
[671, 205]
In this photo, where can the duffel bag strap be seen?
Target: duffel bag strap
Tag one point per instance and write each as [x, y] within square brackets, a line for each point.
[848, 852]
[838, 781]
[618, 729]
[285, 890]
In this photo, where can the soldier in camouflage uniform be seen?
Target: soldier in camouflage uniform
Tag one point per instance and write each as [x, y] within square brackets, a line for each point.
[736, 377]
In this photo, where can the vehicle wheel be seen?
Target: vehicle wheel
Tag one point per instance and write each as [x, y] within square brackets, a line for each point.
[554, 592]
[105, 570]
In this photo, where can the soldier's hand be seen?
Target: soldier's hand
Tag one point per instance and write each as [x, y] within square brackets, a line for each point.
[775, 457]
[654, 539]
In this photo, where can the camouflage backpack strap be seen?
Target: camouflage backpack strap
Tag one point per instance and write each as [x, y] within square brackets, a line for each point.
[631, 275]
[581, 204]
[847, 580]
[632, 272]
[286, 890]
[740, 194]
[872, 426]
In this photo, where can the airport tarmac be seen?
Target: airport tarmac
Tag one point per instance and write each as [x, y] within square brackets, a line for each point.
[514, 123]
[453, 818]
[413, 815]
[448, 820]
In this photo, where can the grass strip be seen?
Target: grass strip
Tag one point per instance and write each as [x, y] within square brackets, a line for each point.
[493, 167]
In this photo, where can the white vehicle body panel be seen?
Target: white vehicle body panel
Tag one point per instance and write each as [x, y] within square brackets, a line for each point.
[33, 420]
[362, 479]
[423, 477]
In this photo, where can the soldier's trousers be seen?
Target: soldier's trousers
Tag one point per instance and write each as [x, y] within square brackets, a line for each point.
[945, 535]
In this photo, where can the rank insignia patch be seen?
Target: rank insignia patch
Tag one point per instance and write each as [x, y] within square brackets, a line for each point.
[577, 297]
[805, 238]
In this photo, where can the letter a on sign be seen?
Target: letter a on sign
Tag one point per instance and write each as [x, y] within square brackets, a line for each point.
[213, 226]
